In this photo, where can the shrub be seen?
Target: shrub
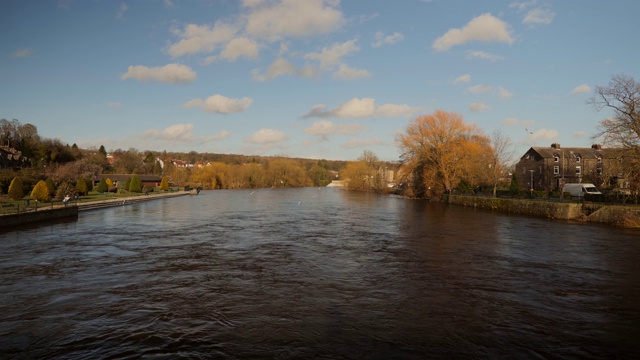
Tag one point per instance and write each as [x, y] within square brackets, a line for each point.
[40, 192]
[102, 186]
[89, 183]
[81, 186]
[164, 184]
[15, 189]
[127, 183]
[136, 184]
[50, 186]
[65, 189]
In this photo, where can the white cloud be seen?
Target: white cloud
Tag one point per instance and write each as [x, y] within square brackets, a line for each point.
[462, 79]
[479, 89]
[22, 53]
[478, 107]
[331, 56]
[349, 73]
[275, 20]
[282, 66]
[220, 104]
[542, 135]
[324, 128]
[381, 39]
[362, 143]
[171, 73]
[168, 4]
[121, 10]
[202, 39]
[182, 133]
[584, 88]
[240, 47]
[539, 16]
[65, 4]
[114, 105]
[504, 93]
[361, 108]
[484, 55]
[267, 136]
[579, 134]
[484, 28]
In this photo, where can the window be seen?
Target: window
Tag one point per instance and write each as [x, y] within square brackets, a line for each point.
[556, 170]
[578, 170]
[599, 160]
[599, 171]
[556, 158]
[578, 158]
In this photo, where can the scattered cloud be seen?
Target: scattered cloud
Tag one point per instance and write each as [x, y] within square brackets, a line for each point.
[332, 55]
[381, 39]
[485, 28]
[517, 122]
[171, 73]
[462, 79]
[220, 104]
[579, 134]
[182, 133]
[196, 39]
[22, 53]
[539, 16]
[274, 21]
[65, 4]
[362, 143]
[121, 11]
[504, 93]
[541, 135]
[168, 4]
[282, 66]
[584, 88]
[349, 73]
[360, 108]
[478, 107]
[114, 105]
[324, 128]
[484, 56]
[240, 47]
[267, 136]
[479, 89]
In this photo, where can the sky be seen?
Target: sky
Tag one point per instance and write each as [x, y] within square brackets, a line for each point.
[320, 79]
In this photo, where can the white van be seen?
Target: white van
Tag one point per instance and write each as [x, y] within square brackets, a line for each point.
[579, 190]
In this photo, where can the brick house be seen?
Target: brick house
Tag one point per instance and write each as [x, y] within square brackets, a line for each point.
[552, 167]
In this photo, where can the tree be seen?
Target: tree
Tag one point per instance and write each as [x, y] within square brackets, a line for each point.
[81, 186]
[501, 154]
[357, 176]
[438, 149]
[50, 186]
[15, 189]
[102, 186]
[65, 189]
[622, 130]
[164, 184]
[136, 184]
[40, 192]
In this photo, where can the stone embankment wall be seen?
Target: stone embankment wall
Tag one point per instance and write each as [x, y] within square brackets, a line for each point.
[32, 217]
[626, 216]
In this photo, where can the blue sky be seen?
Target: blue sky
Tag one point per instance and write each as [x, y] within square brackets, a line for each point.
[308, 78]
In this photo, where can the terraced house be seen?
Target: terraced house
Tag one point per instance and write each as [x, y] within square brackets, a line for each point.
[549, 168]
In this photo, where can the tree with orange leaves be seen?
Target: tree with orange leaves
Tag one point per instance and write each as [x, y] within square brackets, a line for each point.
[439, 150]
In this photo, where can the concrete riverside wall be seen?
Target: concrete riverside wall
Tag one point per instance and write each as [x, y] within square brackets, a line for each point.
[626, 216]
[31, 217]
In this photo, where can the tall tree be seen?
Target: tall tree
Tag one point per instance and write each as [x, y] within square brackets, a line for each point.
[81, 186]
[40, 192]
[502, 152]
[438, 149]
[16, 192]
[622, 130]
[164, 184]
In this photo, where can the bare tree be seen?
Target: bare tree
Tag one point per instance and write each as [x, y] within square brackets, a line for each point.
[622, 130]
[501, 157]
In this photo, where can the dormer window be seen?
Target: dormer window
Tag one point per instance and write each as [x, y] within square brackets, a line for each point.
[578, 158]
[556, 158]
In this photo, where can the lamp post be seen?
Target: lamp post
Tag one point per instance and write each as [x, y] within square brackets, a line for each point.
[531, 183]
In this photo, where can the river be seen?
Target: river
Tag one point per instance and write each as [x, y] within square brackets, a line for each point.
[317, 273]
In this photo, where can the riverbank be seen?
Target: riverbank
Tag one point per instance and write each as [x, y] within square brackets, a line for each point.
[71, 210]
[617, 215]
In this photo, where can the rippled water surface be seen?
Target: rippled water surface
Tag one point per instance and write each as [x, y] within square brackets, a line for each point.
[317, 273]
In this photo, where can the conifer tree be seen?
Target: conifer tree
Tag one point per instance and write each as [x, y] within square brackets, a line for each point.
[136, 184]
[15, 189]
[40, 192]
[50, 186]
[164, 184]
[127, 183]
[102, 186]
[89, 184]
[81, 186]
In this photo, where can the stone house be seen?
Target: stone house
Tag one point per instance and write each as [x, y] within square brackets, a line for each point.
[549, 168]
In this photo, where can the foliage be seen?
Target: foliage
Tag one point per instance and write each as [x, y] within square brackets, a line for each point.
[65, 189]
[16, 192]
[135, 185]
[51, 187]
[438, 149]
[127, 183]
[164, 184]
[356, 176]
[502, 151]
[319, 175]
[40, 192]
[102, 186]
[81, 186]
[89, 183]
[514, 188]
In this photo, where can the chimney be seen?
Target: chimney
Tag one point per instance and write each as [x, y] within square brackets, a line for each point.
[596, 146]
[555, 146]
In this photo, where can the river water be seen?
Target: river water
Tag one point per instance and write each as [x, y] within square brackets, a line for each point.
[317, 273]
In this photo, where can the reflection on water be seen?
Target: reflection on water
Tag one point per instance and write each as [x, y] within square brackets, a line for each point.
[317, 273]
